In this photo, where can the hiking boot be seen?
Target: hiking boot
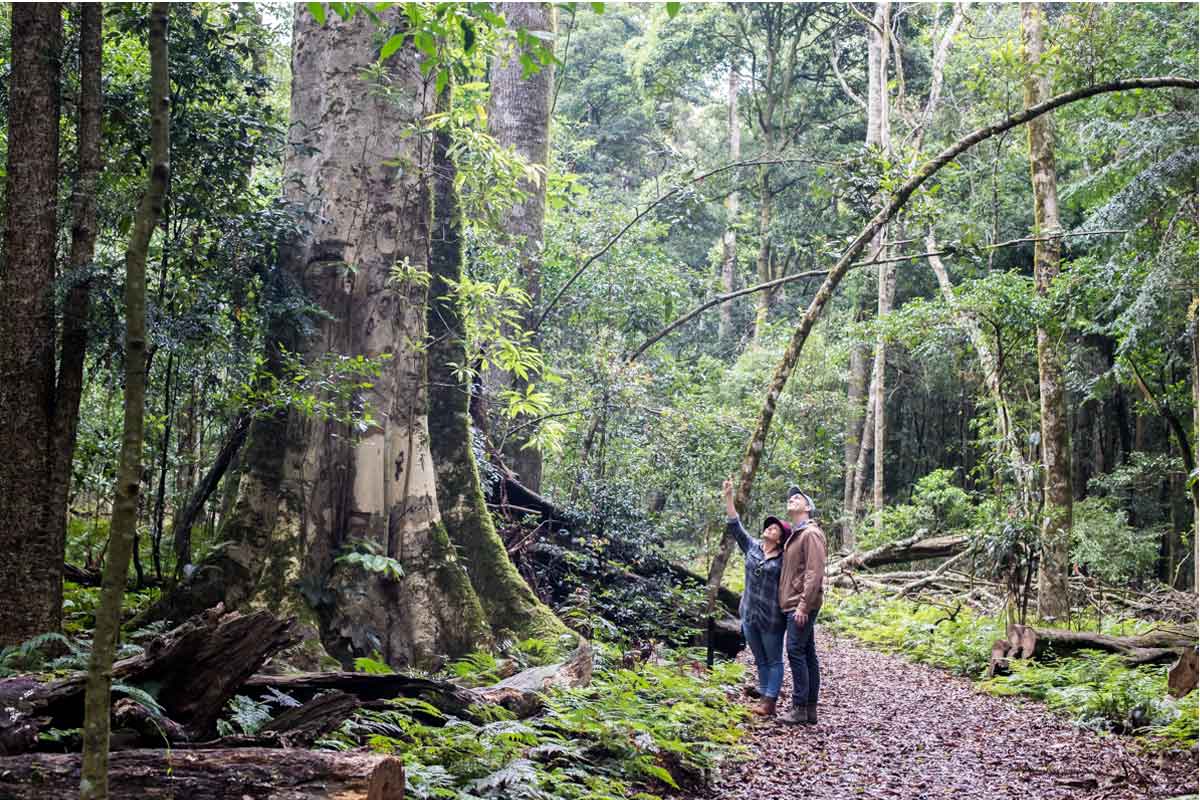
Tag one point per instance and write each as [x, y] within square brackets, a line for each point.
[796, 715]
[811, 712]
[766, 708]
[750, 690]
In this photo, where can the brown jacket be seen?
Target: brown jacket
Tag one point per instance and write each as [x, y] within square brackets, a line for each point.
[802, 579]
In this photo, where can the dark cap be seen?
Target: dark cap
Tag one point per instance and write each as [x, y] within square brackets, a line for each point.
[785, 527]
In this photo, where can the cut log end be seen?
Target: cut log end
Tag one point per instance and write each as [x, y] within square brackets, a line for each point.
[1183, 675]
[387, 781]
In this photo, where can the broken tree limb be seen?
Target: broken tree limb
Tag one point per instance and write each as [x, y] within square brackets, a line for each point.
[925, 580]
[244, 774]
[757, 443]
[914, 548]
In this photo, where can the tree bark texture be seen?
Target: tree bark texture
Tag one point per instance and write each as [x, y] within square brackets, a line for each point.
[94, 781]
[243, 773]
[83, 252]
[519, 118]
[791, 354]
[507, 600]
[31, 569]
[856, 395]
[879, 135]
[315, 490]
[732, 207]
[1053, 595]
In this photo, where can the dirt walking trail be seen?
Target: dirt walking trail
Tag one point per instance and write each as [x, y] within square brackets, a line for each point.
[893, 729]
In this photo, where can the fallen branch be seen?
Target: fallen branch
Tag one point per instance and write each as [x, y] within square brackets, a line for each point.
[245, 774]
[914, 548]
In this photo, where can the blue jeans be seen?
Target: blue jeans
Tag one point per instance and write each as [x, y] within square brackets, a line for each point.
[802, 656]
[767, 647]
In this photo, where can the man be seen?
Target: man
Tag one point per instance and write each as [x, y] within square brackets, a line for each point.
[801, 590]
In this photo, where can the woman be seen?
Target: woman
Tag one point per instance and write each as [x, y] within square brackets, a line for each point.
[763, 623]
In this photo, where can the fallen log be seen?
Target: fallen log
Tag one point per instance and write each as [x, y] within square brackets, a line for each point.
[1027, 641]
[915, 548]
[522, 693]
[367, 688]
[193, 671]
[237, 774]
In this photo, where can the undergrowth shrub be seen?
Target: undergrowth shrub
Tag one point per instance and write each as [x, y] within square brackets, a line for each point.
[630, 733]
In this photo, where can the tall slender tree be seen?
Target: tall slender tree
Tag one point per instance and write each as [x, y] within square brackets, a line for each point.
[93, 784]
[83, 252]
[519, 118]
[732, 208]
[1053, 595]
[31, 569]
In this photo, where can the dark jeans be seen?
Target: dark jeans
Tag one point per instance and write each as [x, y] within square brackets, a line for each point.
[802, 656]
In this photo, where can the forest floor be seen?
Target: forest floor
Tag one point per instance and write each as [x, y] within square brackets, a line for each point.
[890, 728]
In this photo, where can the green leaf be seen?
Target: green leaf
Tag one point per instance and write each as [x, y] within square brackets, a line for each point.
[443, 77]
[673, 9]
[394, 43]
[598, 8]
[425, 43]
[318, 12]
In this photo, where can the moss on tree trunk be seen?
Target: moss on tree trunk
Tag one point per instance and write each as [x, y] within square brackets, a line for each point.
[509, 603]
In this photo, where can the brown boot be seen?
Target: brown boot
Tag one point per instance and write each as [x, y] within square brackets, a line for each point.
[811, 712]
[766, 708]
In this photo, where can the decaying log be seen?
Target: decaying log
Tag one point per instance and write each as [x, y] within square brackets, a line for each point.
[240, 774]
[1182, 677]
[447, 697]
[1026, 641]
[521, 693]
[194, 670]
[914, 548]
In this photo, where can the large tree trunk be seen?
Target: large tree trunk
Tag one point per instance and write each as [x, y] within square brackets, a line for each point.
[315, 490]
[31, 569]
[508, 602]
[519, 118]
[1053, 597]
[83, 252]
[729, 239]
[94, 782]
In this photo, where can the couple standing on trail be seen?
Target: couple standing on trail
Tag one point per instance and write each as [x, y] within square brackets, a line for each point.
[785, 572]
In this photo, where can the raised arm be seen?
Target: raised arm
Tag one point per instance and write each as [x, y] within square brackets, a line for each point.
[733, 521]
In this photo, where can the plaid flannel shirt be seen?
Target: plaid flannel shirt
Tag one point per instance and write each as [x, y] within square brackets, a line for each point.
[760, 599]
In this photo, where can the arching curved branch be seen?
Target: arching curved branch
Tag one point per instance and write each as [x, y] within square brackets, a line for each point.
[791, 355]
